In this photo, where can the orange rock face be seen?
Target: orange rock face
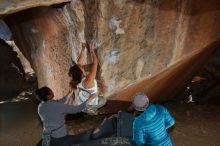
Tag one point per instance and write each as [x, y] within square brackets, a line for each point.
[136, 40]
[12, 6]
[42, 35]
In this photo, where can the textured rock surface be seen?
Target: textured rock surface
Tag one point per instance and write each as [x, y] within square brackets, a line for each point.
[166, 84]
[152, 36]
[12, 6]
[42, 35]
[135, 39]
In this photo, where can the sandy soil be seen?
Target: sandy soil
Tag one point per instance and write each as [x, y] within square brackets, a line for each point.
[19, 123]
[196, 124]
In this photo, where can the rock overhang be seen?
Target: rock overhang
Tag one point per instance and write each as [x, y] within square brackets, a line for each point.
[12, 6]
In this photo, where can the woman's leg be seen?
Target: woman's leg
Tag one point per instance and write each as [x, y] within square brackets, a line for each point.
[106, 129]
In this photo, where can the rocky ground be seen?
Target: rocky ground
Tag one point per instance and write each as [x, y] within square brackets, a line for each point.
[19, 123]
[197, 124]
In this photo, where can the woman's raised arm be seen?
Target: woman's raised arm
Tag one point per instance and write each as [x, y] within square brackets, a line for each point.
[82, 54]
[89, 81]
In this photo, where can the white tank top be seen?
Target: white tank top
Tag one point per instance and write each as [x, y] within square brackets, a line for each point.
[82, 93]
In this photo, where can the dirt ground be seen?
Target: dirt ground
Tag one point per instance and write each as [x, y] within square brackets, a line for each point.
[19, 124]
[197, 124]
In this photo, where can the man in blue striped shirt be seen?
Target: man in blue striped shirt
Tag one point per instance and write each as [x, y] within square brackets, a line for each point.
[149, 128]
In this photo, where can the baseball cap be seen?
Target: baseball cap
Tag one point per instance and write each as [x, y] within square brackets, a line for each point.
[140, 101]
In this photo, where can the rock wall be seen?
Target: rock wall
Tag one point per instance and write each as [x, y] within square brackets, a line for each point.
[135, 39]
[42, 35]
[141, 38]
[12, 6]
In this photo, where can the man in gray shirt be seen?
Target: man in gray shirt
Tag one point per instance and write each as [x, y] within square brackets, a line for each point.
[52, 114]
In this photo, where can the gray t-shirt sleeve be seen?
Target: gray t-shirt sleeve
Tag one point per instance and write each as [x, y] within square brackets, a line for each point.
[62, 100]
[70, 109]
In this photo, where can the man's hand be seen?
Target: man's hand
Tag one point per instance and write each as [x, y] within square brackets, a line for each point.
[70, 99]
[70, 93]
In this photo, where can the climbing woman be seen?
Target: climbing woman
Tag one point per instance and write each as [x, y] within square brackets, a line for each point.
[85, 85]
